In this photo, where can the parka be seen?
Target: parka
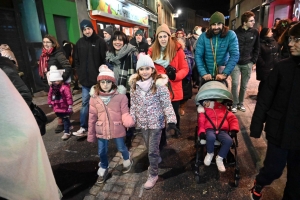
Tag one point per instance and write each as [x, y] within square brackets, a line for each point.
[180, 64]
[151, 111]
[61, 105]
[108, 121]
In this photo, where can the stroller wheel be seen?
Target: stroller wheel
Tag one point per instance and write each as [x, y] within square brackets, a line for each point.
[197, 179]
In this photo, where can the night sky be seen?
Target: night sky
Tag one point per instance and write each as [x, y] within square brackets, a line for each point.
[208, 5]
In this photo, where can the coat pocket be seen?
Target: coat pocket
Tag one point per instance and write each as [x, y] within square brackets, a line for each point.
[273, 122]
[118, 127]
[99, 127]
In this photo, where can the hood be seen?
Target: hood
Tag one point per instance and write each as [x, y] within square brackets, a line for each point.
[159, 82]
[120, 90]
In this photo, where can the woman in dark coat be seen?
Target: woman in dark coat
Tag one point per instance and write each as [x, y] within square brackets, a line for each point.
[268, 56]
[52, 55]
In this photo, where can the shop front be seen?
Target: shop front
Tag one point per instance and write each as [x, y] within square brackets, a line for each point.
[120, 16]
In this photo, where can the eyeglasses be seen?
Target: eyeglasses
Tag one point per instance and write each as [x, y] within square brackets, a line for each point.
[252, 20]
[105, 81]
[294, 39]
[165, 36]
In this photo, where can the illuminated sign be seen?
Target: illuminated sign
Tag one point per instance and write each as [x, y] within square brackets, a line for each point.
[207, 19]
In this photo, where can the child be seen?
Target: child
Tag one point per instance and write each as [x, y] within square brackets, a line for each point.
[60, 99]
[151, 108]
[216, 121]
[108, 117]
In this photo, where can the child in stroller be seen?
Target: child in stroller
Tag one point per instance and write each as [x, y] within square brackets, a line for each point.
[215, 121]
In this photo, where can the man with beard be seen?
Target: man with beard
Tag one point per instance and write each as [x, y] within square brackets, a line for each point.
[217, 50]
[248, 38]
[89, 55]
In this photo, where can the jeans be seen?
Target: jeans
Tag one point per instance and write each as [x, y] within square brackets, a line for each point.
[84, 111]
[152, 139]
[223, 137]
[274, 164]
[245, 72]
[66, 121]
[103, 148]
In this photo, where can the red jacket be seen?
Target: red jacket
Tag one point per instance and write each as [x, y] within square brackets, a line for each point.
[61, 105]
[180, 64]
[216, 115]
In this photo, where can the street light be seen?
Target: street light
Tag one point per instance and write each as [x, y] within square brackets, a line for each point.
[178, 11]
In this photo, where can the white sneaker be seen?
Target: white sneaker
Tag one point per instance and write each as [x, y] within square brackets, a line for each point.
[102, 173]
[234, 109]
[150, 182]
[80, 133]
[220, 164]
[241, 108]
[66, 136]
[208, 158]
[127, 164]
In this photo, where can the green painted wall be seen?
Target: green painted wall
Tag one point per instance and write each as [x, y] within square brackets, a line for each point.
[65, 8]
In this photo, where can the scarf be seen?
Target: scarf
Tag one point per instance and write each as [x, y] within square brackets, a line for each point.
[43, 64]
[161, 61]
[115, 60]
[145, 85]
[56, 92]
[105, 97]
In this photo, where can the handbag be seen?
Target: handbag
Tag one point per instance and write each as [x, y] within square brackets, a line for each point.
[40, 117]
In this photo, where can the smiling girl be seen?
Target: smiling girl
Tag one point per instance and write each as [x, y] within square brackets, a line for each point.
[151, 108]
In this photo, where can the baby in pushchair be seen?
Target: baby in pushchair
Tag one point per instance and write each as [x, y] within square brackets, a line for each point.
[215, 121]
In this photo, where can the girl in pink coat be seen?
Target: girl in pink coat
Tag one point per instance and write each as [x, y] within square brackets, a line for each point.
[108, 117]
[60, 99]
[216, 121]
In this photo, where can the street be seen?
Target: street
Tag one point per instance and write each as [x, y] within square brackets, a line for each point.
[75, 163]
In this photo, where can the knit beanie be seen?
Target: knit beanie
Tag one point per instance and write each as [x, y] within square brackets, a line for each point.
[164, 28]
[139, 32]
[109, 30]
[106, 74]
[86, 23]
[217, 17]
[144, 61]
[263, 32]
[55, 75]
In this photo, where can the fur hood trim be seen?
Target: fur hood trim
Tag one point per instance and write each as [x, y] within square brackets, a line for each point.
[159, 82]
[120, 89]
[200, 109]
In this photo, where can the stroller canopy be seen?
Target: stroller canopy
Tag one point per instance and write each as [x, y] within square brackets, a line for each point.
[213, 90]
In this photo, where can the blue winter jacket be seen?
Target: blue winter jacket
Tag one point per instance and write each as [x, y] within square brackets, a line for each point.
[227, 53]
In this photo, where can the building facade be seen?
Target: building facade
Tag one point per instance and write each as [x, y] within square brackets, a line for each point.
[165, 14]
[187, 20]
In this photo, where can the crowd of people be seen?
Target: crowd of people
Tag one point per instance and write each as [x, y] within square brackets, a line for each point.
[144, 83]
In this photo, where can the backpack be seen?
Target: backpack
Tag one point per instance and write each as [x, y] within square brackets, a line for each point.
[40, 117]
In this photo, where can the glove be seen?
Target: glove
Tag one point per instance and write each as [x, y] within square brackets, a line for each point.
[233, 133]
[171, 72]
[207, 77]
[172, 126]
[70, 110]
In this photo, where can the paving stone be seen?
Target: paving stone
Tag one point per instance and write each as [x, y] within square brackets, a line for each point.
[112, 179]
[94, 190]
[117, 189]
[130, 185]
[112, 164]
[128, 191]
[114, 196]
[102, 195]
[89, 197]
[124, 197]
[108, 187]
[116, 159]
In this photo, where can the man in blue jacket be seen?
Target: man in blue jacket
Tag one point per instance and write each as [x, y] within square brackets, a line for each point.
[217, 50]
[248, 38]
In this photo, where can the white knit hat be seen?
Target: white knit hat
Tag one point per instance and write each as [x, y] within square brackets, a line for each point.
[106, 74]
[55, 75]
[144, 61]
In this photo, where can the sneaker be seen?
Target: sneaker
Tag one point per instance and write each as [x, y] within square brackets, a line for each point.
[241, 108]
[234, 109]
[59, 128]
[255, 192]
[66, 136]
[102, 175]
[127, 164]
[208, 158]
[220, 164]
[81, 132]
[150, 182]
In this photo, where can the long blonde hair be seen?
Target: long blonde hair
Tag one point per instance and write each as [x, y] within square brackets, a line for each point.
[169, 52]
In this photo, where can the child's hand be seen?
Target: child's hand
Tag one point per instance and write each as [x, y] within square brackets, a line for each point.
[70, 109]
[172, 126]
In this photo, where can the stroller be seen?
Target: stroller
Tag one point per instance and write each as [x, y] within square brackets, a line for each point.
[215, 90]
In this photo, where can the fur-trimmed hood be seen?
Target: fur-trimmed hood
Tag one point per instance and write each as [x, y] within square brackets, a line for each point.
[120, 89]
[159, 82]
